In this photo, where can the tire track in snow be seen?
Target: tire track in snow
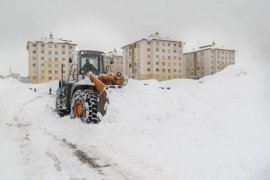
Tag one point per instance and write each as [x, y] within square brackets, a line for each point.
[102, 168]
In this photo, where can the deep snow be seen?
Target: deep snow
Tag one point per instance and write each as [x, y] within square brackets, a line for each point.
[213, 128]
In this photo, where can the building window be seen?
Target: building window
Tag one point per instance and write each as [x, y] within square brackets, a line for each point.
[163, 64]
[169, 57]
[174, 70]
[148, 69]
[63, 59]
[50, 52]
[34, 52]
[50, 78]
[174, 57]
[169, 70]
[63, 52]
[50, 46]
[34, 58]
[163, 43]
[56, 59]
[157, 49]
[163, 50]
[163, 70]
[148, 49]
[56, 72]
[157, 56]
[50, 71]
[34, 45]
[157, 70]
[157, 63]
[148, 42]
[148, 56]
[148, 63]
[179, 58]
[63, 46]
[42, 58]
[70, 47]
[56, 52]
[174, 44]
[42, 45]
[174, 51]
[42, 51]
[34, 65]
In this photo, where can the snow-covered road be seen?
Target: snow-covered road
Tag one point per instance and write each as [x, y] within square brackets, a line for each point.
[31, 150]
[215, 128]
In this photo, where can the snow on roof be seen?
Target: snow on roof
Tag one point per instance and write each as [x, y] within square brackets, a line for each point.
[155, 36]
[207, 47]
[51, 39]
[114, 52]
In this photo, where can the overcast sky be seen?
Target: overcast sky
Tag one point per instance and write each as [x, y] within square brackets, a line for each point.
[243, 25]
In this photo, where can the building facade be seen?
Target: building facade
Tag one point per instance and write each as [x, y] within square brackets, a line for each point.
[46, 57]
[207, 60]
[117, 65]
[154, 57]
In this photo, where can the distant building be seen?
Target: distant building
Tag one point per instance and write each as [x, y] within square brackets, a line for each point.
[207, 60]
[154, 57]
[13, 75]
[117, 65]
[46, 57]
[24, 79]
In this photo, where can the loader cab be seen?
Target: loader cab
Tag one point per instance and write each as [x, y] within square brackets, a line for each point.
[90, 61]
[78, 69]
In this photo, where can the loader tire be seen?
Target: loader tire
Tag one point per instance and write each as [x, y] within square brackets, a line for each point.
[60, 102]
[84, 106]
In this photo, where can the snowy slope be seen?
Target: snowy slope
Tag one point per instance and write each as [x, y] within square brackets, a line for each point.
[214, 128]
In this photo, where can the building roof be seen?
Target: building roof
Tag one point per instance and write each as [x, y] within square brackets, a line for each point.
[155, 36]
[51, 39]
[207, 47]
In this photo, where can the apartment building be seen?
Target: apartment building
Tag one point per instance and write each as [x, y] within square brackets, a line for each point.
[207, 60]
[154, 57]
[46, 57]
[117, 65]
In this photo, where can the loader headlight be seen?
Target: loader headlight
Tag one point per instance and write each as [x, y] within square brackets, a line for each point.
[118, 74]
[82, 71]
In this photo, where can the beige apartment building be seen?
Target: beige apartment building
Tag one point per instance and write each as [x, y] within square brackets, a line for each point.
[207, 60]
[154, 57]
[46, 57]
[117, 65]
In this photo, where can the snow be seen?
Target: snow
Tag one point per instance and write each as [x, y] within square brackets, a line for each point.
[213, 128]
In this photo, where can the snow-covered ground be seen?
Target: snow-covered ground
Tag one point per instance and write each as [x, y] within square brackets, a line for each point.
[215, 128]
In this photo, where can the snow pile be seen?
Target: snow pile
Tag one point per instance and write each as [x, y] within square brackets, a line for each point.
[213, 128]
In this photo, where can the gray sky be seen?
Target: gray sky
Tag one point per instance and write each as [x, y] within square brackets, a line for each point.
[243, 25]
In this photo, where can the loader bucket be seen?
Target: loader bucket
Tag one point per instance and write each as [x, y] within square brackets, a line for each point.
[102, 103]
[102, 95]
